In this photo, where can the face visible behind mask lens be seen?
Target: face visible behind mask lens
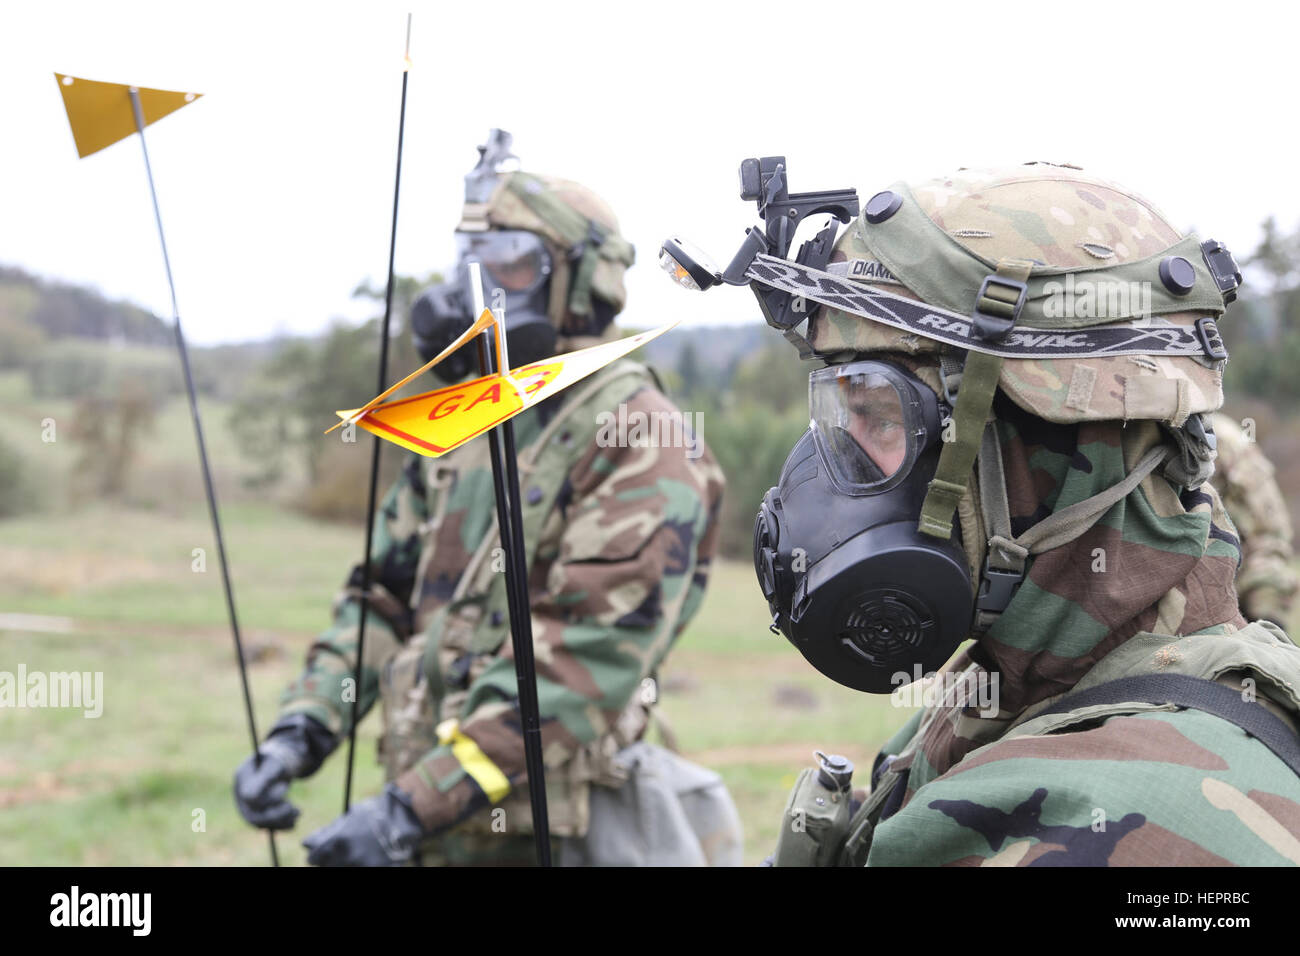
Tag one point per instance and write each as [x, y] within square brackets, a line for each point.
[516, 272]
[513, 261]
[850, 581]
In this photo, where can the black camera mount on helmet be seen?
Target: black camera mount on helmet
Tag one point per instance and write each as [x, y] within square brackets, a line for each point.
[763, 181]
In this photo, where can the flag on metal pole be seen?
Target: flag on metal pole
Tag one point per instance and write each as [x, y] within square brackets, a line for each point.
[102, 114]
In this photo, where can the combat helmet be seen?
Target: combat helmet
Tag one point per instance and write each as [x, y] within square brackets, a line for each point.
[579, 228]
[550, 254]
[1098, 255]
[1043, 257]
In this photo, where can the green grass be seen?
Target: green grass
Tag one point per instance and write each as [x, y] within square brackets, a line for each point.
[123, 788]
[743, 702]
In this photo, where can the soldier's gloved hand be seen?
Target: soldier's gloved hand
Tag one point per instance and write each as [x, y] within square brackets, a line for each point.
[380, 831]
[295, 748]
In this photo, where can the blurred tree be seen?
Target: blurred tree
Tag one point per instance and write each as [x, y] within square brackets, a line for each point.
[1276, 260]
[17, 494]
[19, 341]
[79, 368]
[406, 289]
[1263, 328]
[108, 429]
[751, 430]
[774, 377]
[62, 310]
[688, 371]
[290, 399]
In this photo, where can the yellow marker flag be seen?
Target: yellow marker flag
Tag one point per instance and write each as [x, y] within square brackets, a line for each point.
[434, 423]
[485, 321]
[100, 113]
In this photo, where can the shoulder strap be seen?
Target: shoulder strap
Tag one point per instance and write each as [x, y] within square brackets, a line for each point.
[1198, 694]
[546, 473]
[528, 456]
[997, 308]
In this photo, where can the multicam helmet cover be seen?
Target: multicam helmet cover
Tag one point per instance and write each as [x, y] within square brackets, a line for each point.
[1098, 251]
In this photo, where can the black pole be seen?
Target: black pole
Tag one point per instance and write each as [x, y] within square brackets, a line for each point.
[505, 485]
[203, 453]
[376, 443]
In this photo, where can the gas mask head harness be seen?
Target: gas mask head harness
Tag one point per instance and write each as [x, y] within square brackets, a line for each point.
[528, 235]
[855, 548]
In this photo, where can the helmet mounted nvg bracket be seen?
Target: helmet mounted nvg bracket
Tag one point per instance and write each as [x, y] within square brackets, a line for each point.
[763, 181]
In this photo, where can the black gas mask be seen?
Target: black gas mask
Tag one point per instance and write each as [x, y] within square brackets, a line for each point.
[517, 275]
[849, 579]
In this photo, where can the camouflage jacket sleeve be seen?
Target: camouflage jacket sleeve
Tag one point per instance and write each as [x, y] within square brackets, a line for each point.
[636, 529]
[323, 691]
[1178, 788]
[1266, 582]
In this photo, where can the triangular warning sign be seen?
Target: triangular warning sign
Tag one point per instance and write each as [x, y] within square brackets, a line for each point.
[101, 114]
[434, 423]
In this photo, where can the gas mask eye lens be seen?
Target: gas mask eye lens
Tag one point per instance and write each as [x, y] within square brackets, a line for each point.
[518, 274]
[514, 261]
[874, 416]
[867, 424]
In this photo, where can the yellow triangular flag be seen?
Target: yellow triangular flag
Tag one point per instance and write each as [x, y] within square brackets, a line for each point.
[434, 423]
[100, 113]
[485, 320]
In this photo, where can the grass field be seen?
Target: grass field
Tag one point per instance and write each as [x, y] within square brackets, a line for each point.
[115, 590]
[123, 788]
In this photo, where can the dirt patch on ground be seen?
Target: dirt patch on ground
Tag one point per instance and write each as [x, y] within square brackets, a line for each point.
[49, 572]
[44, 787]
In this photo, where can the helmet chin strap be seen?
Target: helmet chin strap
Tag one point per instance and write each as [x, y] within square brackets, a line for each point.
[996, 310]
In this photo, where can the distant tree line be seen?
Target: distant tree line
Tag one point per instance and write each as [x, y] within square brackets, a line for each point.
[746, 382]
[1262, 330]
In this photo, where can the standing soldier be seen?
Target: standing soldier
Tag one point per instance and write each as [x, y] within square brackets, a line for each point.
[1007, 445]
[620, 539]
[1243, 477]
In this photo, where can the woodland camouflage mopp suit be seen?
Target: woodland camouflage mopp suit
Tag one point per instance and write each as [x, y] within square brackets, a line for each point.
[1243, 477]
[1134, 585]
[620, 540]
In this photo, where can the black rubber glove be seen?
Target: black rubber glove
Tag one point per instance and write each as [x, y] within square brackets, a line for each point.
[379, 831]
[295, 747]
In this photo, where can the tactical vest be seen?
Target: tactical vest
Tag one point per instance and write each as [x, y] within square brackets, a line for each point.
[820, 829]
[427, 682]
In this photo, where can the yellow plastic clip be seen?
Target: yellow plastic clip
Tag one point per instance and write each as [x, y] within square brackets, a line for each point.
[475, 762]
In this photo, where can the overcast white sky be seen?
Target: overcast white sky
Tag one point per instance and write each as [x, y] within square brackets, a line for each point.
[276, 187]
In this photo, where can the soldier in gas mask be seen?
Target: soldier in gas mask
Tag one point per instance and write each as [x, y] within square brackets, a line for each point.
[1008, 446]
[620, 538]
